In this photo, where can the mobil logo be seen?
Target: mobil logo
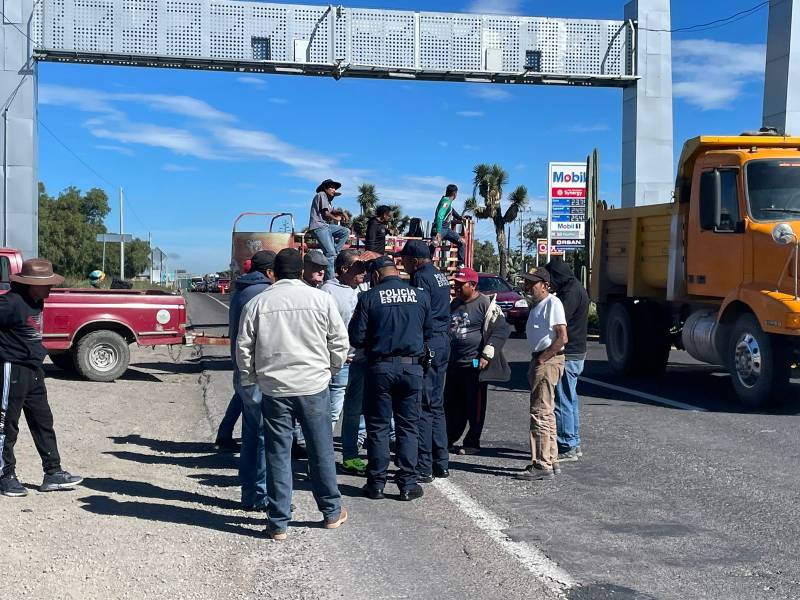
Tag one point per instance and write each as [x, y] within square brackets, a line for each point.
[570, 176]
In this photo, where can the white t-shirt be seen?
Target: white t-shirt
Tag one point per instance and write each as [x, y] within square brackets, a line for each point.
[542, 320]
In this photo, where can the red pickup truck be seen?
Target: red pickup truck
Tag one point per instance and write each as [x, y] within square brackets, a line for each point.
[90, 330]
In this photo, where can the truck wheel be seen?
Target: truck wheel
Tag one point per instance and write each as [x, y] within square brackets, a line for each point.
[759, 365]
[102, 356]
[653, 339]
[620, 339]
[63, 360]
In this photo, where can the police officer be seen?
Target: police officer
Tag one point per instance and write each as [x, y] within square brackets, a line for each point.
[433, 454]
[392, 323]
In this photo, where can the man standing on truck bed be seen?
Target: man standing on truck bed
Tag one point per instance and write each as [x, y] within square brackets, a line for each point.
[325, 222]
[375, 240]
[445, 213]
[23, 388]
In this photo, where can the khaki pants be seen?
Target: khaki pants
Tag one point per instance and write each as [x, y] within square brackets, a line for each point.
[543, 379]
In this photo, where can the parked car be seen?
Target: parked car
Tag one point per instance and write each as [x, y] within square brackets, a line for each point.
[514, 306]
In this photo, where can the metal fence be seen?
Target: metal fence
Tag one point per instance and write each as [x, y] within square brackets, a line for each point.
[256, 36]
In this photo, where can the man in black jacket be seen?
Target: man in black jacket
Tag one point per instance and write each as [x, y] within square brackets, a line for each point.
[375, 240]
[576, 308]
[22, 378]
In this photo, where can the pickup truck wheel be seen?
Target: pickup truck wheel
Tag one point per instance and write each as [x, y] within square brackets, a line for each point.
[759, 365]
[102, 356]
[63, 360]
[620, 339]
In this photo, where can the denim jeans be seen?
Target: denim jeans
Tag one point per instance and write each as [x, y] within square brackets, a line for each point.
[433, 440]
[314, 414]
[353, 426]
[451, 236]
[225, 431]
[252, 458]
[568, 420]
[332, 238]
[336, 389]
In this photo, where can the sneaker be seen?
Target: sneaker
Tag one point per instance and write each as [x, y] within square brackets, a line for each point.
[334, 523]
[354, 466]
[227, 445]
[360, 443]
[10, 486]
[278, 535]
[60, 480]
[425, 478]
[533, 473]
[466, 450]
[570, 455]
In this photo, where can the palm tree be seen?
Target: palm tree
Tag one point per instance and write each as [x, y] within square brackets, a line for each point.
[367, 198]
[488, 183]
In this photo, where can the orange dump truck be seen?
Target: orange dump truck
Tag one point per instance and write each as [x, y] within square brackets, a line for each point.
[715, 272]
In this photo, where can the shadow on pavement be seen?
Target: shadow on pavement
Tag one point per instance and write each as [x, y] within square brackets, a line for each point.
[163, 513]
[168, 446]
[132, 374]
[142, 489]
[216, 480]
[190, 367]
[207, 461]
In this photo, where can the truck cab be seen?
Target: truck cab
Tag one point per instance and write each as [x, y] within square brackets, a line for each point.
[715, 271]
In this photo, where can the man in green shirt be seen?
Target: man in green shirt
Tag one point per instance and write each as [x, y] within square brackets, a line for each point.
[445, 213]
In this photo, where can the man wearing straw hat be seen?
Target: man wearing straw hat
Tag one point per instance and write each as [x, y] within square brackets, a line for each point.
[23, 388]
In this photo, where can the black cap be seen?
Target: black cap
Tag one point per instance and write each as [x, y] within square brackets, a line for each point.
[328, 183]
[537, 274]
[288, 264]
[262, 260]
[315, 258]
[380, 263]
[416, 249]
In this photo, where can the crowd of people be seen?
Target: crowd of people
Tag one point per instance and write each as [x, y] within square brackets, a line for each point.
[339, 334]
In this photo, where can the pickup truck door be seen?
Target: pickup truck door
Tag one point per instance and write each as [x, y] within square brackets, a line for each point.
[715, 255]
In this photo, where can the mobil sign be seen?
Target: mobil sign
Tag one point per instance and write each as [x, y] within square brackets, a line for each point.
[566, 183]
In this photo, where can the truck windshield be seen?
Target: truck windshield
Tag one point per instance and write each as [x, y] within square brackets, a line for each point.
[773, 189]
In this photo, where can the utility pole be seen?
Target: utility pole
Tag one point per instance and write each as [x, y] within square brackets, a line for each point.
[121, 239]
[104, 253]
[150, 252]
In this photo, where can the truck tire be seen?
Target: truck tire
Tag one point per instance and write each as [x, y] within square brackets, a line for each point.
[620, 339]
[637, 338]
[63, 360]
[102, 356]
[759, 364]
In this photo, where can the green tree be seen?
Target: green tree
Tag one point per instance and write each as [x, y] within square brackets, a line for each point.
[488, 183]
[368, 200]
[484, 257]
[532, 231]
[137, 258]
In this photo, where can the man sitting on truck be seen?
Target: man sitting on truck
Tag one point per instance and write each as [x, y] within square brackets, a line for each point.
[325, 222]
[23, 388]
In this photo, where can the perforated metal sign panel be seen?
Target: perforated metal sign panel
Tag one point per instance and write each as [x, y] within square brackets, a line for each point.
[334, 40]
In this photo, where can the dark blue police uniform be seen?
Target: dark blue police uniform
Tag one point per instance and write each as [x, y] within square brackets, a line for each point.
[392, 323]
[433, 454]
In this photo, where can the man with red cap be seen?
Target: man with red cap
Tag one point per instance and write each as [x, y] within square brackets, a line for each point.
[22, 378]
[478, 332]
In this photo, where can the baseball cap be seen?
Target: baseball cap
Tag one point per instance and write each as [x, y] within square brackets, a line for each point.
[537, 274]
[467, 275]
[416, 249]
[262, 260]
[379, 263]
[288, 264]
[315, 258]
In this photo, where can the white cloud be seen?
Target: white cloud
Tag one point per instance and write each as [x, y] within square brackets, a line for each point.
[492, 93]
[279, 100]
[120, 149]
[250, 80]
[173, 168]
[181, 105]
[496, 7]
[710, 74]
[588, 128]
[469, 113]
[180, 141]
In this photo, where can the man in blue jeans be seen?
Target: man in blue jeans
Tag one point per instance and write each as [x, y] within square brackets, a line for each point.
[444, 215]
[325, 222]
[252, 461]
[567, 406]
[291, 340]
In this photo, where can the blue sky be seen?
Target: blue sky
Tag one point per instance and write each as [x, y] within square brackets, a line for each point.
[194, 149]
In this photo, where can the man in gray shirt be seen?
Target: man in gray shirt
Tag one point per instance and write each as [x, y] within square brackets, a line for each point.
[324, 222]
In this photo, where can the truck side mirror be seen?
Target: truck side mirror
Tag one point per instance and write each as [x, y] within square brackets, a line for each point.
[710, 200]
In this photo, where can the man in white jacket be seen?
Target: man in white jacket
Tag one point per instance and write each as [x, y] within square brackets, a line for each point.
[291, 340]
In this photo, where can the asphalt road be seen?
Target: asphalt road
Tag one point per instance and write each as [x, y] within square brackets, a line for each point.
[681, 494]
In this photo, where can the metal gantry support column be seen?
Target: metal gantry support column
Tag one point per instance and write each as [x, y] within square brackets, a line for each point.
[647, 153]
[19, 194]
[782, 73]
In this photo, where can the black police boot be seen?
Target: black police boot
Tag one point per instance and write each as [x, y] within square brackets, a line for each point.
[412, 493]
[373, 493]
[441, 473]
[425, 478]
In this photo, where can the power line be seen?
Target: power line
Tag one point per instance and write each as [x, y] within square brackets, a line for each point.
[716, 23]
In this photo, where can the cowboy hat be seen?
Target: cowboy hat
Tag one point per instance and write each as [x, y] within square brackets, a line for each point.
[328, 183]
[37, 271]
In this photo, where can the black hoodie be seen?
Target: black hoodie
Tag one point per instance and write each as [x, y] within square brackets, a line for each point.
[576, 306]
[21, 329]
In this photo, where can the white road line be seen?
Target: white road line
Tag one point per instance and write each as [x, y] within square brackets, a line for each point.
[219, 301]
[553, 577]
[644, 395]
